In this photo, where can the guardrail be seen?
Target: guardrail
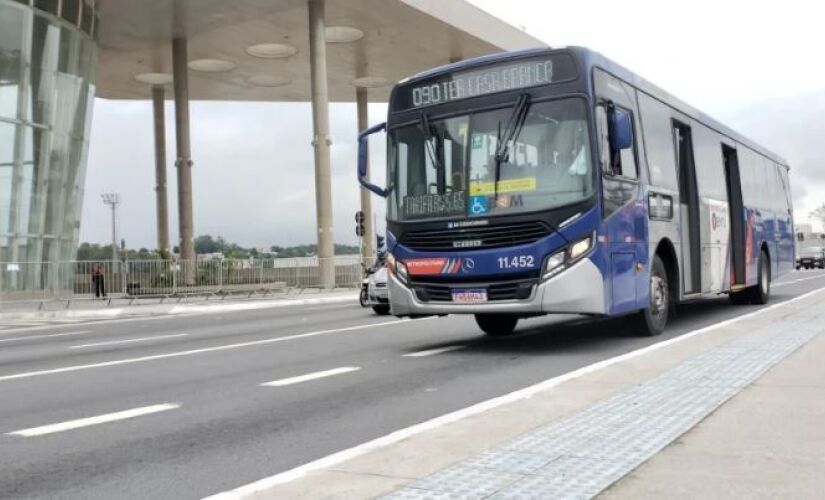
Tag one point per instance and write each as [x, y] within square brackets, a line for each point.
[74, 280]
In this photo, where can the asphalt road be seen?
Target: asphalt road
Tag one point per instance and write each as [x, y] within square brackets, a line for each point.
[174, 407]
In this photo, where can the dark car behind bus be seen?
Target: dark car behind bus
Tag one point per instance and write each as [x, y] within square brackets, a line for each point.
[811, 257]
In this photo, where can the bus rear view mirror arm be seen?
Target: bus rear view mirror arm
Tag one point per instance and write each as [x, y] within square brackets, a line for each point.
[363, 157]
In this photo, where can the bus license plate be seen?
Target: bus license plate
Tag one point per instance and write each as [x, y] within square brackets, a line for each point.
[469, 295]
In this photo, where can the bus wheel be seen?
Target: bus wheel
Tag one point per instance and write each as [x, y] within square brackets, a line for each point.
[381, 309]
[497, 325]
[652, 320]
[761, 292]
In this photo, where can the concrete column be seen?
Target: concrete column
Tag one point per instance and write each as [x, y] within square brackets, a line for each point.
[14, 208]
[321, 141]
[368, 249]
[160, 171]
[184, 160]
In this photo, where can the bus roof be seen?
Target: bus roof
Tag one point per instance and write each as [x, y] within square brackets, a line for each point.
[589, 59]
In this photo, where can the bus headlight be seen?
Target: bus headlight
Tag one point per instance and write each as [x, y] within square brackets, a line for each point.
[401, 271]
[554, 264]
[398, 268]
[580, 247]
[559, 260]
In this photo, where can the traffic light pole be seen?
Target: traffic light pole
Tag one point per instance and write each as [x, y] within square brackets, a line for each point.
[360, 219]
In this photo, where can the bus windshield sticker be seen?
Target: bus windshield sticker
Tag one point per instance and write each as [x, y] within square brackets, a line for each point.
[509, 201]
[506, 186]
[427, 205]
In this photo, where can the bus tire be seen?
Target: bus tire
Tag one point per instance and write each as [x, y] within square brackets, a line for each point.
[497, 325]
[381, 309]
[761, 292]
[652, 320]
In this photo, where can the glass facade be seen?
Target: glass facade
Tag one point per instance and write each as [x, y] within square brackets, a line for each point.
[47, 88]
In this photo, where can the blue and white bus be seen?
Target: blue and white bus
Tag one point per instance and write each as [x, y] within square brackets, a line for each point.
[553, 181]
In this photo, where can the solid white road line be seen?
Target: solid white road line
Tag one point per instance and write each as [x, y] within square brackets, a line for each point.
[783, 283]
[182, 311]
[140, 339]
[432, 352]
[100, 419]
[311, 376]
[191, 352]
[35, 337]
[527, 392]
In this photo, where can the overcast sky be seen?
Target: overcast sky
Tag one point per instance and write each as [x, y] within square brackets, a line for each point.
[755, 65]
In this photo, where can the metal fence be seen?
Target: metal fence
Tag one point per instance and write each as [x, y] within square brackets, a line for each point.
[164, 278]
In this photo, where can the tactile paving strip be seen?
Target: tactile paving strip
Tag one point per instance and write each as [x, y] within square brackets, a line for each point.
[582, 454]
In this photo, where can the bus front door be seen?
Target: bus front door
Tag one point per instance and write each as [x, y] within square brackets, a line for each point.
[689, 210]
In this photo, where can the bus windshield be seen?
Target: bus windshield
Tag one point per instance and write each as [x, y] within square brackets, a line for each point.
[455, 168]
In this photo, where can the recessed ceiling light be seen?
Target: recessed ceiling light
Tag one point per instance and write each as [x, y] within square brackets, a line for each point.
[271, 50]
[154, 78]
[343, 34]
[371, 82]
[211, 65]
[268, 81]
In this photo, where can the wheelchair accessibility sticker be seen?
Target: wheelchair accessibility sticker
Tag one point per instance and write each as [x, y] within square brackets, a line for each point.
[479, 205]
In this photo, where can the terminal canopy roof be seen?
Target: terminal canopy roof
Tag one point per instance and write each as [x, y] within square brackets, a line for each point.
[258, 50]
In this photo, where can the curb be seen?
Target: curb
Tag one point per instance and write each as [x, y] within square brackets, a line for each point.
[175, 309]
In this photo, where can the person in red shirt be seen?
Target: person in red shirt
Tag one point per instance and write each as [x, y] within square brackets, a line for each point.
[97, 281]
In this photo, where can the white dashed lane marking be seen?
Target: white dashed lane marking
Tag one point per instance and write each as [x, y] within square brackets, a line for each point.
[36, 337]
[432, 352]
[311, 376]
[100, 419]
[129, 341]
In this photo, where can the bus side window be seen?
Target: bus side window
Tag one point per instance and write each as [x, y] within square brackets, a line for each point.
[621, 163]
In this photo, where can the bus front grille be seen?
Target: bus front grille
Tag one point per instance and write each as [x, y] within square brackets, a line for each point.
[505, 290]
[495, 236]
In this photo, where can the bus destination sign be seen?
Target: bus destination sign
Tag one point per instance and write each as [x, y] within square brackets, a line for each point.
[488, 80]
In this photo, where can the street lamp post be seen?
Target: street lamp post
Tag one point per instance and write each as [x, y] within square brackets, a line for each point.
[113, 200]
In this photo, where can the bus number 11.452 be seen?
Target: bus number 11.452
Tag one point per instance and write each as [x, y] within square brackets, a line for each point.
[518, 262]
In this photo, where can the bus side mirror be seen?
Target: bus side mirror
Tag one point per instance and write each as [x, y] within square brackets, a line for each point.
[621, 129]
[363, 156]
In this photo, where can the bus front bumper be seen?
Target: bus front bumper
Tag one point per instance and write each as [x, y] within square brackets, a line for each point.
[576, 290]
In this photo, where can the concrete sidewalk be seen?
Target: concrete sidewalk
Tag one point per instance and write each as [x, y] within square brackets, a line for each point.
[731, 410]
[121, 308]
[767, 442]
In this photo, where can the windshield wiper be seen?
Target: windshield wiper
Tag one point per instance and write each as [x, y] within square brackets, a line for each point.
[511, 132]
[432, 147]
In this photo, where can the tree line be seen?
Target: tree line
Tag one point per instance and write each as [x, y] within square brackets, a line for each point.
[207, 244]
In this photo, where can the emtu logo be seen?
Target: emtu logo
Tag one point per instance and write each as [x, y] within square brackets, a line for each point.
[509, 201]
[718, 221]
